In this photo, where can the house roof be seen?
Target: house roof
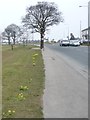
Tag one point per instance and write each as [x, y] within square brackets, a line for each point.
[85, 29]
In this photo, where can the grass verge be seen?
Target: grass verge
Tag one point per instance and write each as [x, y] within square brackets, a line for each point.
[86, 44]
[22, 82]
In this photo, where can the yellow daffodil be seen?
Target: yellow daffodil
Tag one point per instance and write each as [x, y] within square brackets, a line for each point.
[9, 111]
[34, 64]
[13, 111]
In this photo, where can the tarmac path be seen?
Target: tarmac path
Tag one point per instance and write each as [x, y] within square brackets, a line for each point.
[66, 87]
[0, 82]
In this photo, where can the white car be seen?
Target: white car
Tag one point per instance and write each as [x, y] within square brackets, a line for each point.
[74, 43]
[81, 41]
[85, 40]
[64, 43]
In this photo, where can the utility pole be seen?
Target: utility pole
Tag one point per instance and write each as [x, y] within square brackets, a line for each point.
[68, 32]
[80, 29]
[89, 20]
[88, 6]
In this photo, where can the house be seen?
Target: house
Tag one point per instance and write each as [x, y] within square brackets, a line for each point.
[85, 33]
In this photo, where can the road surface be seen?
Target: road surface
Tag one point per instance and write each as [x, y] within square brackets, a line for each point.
[78, 54]
[66, 87]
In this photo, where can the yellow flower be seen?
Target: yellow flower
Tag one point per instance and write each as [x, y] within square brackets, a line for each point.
[21, 96]
[34, 64]
[3, 113]
[36, 54]
[33, 58]
[13, 111]
[21, 86]
[25, 87]
[9, 111]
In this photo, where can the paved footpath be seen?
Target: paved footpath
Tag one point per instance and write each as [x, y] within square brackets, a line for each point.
[0, 82]
[66, 90]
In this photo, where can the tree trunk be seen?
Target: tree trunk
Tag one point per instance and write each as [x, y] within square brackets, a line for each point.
[42, 44]
[14, 37]
[42, 41]
[12, 46]
[8, 40]
[14, 41]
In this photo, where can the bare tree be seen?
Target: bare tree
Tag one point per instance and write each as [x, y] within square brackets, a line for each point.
[15, 30]
[7, 34]
[72, 36]
[41, 16]
[11, 31]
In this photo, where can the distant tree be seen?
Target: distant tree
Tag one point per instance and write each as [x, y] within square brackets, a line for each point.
[11, 31]
[72, 36]
[41, 16]
[7, 34]
[23, 34]
[15, 30]
[3, 34]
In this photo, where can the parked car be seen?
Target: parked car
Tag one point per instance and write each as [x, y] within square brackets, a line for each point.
[81, 41]
[74, 43]
[85, 40]
[64, 42]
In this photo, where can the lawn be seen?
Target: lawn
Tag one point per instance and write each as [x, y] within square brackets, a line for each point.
[22, 82]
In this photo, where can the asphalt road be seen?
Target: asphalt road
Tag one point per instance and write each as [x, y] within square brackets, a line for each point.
[66, 82]
[78, 54]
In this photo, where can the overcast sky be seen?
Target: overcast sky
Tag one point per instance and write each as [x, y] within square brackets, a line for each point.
[11, 11]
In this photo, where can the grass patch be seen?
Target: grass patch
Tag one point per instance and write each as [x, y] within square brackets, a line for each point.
[86, 44]
[23, 82]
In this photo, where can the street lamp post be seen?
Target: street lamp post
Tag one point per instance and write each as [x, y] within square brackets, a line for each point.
[68, 33]
[80, 29]
[88, 19]
[83, 6]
